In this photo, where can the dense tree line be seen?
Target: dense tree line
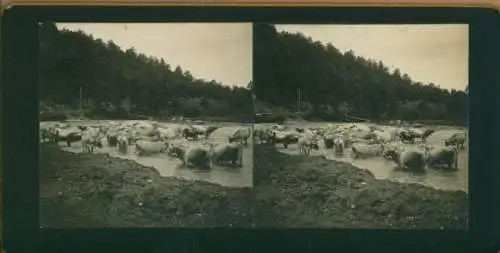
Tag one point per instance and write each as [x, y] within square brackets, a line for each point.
[335, 84]
[122, 82]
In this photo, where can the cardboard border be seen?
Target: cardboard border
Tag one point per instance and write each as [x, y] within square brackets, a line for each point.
[386, 3]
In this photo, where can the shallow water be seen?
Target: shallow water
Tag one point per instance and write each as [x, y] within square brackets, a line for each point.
[171, 167]
[383, 169]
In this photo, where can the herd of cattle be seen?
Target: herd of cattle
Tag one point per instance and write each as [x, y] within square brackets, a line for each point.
[390, 142]
[150, 138]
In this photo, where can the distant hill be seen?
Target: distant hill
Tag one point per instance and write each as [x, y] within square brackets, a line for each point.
[117, 82]
[334, 84]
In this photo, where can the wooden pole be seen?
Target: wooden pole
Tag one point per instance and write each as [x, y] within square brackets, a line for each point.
[81, 102]
[299, 98]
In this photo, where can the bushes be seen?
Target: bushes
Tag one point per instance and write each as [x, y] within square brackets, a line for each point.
[52, 116]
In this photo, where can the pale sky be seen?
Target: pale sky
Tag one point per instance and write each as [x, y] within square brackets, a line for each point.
[427, 53]
[219, 51]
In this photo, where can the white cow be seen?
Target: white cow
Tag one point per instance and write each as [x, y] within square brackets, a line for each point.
[359, 150]
[442, 156]
[240, 134]
[306, 143]
[143, 147]
[408, 159]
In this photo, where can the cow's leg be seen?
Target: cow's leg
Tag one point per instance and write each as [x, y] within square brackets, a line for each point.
[451, 165]
[68, 143]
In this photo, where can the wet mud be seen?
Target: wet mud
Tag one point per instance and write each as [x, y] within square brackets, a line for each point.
[311, 192]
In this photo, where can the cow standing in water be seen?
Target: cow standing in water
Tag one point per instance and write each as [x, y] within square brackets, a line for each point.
[457, 139]
[227, 152]
[445, 157]
[241, 134]
[411, 160]
[307, 143]
[87, 142]
[122, 143]
[339, 144]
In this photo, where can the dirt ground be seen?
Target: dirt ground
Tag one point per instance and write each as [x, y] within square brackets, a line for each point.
[297, 191]
[95, 190]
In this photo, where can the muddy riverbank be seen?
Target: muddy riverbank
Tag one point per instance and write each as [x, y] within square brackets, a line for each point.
[298, 191]
[96, 190]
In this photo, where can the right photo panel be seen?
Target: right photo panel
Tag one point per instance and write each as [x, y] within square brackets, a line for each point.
[361, 126]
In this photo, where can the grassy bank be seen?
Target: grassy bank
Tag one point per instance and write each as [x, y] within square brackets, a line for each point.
[298, 191]
[95, 190]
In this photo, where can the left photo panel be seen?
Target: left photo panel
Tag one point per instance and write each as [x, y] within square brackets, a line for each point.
[145, 124]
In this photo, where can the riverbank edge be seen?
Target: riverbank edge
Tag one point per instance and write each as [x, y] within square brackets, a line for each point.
[300, 191]
[97, 190]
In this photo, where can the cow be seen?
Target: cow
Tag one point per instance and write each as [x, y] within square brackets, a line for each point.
[264, 135]
[407, 136]
[427, 133]
[210, 130]
[197, 156]
[307, 143]
[112, 137]
[279, 127]
[382, 136]
[442, 156]
[45, 135]
[339, 145]
[457, 139]
[190, 133]
[284, 137]
[352, 141]
[412, 160]
[53, 132]
[148, 147]
[87, 142]
[328, 141]
[227, 152]
[67, 135]
[300, 130]
[98, 140]
[204, 130]
[122, 143]
[364, 135]
[242, 134]
[359, 150]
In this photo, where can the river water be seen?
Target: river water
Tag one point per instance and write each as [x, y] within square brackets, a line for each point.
[383, 169]
[171, 167]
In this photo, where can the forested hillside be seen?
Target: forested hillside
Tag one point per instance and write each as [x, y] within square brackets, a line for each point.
[334, 84]
[117, 82]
